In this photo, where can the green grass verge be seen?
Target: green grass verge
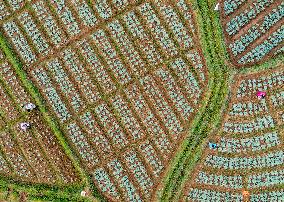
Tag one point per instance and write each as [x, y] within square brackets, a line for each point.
[267, 65]
[215, 54]
[213, 47]
[38, 191]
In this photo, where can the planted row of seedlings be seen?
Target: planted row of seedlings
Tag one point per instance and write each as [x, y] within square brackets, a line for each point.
[32, 155]
[246, 158]
[267, 196]
[124, 92]
[49, 25]
[253, 30]
[9, 7]
[257, 30]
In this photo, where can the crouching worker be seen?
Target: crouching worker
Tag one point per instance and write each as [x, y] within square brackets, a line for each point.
[29, 107]
[212, 145]
[25, 126]
[261, 94]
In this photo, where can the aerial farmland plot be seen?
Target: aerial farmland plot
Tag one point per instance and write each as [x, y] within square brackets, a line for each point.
[141, 100]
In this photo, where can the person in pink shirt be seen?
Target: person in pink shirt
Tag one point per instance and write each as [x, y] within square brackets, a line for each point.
[261, 94]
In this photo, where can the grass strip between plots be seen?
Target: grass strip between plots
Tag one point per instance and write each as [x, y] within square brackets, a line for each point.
[39, 191]
[215, 54]
[191, 149]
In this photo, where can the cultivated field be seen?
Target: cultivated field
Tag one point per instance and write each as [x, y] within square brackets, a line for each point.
[248, 163]
[127, 94]
[35, 155]
[124, 79]
[253, 30]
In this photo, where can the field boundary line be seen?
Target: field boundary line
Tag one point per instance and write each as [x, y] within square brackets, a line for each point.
[50, 121]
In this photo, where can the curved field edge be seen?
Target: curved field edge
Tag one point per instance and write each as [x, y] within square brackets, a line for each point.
[191, 150]
[42, 191]
[217, 60]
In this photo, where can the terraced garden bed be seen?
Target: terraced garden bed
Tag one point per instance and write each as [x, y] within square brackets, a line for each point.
[249, 155]
[253, 30]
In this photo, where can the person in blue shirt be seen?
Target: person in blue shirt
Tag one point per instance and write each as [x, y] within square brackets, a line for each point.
[212, 145]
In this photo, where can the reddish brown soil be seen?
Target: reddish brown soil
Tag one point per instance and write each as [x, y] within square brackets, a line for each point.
[259, 18]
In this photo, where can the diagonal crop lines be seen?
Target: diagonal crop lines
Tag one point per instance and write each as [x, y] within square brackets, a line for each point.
[157, 111]
[128, 92]
[127, 82]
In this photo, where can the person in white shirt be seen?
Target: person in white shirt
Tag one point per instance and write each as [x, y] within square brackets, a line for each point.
[25, 126]
[217, 7]
[29, 107]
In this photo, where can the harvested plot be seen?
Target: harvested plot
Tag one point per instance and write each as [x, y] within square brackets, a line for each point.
[123, 93]
[253, 30]
[248, 156]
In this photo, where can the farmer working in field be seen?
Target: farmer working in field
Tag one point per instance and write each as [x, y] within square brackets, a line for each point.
[29, 107]
[212, 145]
[25, 126]
[261, 94]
